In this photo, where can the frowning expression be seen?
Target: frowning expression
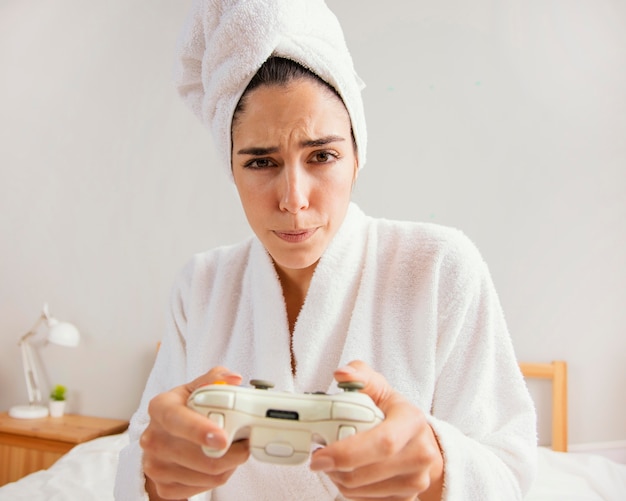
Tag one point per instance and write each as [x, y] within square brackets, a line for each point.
[294, 166]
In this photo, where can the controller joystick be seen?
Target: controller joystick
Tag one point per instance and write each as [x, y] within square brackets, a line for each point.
[351, 385]
[282, 426]
[261, 384]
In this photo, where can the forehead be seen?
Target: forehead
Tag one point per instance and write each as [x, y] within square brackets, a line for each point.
[301, 106]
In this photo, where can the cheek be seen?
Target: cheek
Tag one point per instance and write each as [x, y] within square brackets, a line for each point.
[254, 200]
[341, 186]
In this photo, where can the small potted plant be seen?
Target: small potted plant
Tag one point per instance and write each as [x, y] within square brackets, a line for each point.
[57, 400]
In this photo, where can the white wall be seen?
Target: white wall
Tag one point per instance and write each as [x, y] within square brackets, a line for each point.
[504, 118]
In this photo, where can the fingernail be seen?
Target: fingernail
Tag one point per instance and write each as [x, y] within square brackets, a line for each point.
[212, 441]
[346, 369]
[323, 463]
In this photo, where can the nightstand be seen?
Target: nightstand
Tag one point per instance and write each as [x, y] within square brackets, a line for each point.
[29, 445]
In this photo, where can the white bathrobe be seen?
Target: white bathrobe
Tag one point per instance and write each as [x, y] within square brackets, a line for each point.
[415, 301]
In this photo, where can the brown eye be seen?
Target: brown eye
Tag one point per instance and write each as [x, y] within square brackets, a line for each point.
[324, 157]
[259, 163]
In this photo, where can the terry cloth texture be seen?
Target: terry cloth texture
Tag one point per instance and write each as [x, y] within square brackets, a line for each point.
[415, 301]
[224, 43]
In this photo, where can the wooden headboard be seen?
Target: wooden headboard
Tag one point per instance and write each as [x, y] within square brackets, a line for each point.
[556, 371]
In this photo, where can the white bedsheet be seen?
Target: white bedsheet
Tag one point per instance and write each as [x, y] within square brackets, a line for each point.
[577, 477]
[87, 473]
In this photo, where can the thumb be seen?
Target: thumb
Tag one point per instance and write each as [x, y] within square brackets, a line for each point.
[376, 386]
[215, 375]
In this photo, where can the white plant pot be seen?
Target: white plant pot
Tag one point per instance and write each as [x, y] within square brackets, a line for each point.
[57, 408]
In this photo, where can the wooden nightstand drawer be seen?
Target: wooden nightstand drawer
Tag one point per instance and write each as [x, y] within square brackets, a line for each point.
[29, 445]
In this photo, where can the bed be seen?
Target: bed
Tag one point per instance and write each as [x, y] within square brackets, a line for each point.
[87, 472]
[564, 476]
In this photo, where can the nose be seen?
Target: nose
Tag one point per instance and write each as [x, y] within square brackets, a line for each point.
[293, 190]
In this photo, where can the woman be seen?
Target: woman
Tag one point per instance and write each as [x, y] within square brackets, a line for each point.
[409, 309]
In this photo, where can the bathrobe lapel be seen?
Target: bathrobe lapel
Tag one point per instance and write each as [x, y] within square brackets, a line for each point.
[322, 326]
[323, 323]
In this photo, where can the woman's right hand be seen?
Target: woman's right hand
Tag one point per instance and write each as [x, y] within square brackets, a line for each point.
[173, 462]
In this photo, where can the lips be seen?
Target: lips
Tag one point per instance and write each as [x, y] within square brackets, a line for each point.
[295, 236]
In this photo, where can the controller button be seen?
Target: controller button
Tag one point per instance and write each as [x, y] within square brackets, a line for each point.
[279, 449]
[217, 418]
[221, 399]
[350, 412]
[345, 432]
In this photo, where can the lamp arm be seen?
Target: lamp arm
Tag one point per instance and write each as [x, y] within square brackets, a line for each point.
[30, 367]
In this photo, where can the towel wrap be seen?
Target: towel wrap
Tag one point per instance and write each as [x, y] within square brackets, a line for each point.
[224, 42]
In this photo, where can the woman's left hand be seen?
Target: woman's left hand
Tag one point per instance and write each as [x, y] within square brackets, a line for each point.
[399, 459]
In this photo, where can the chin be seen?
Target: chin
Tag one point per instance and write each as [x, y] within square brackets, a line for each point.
[292, 261]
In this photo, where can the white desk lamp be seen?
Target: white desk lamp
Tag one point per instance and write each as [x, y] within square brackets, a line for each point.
[61, 333]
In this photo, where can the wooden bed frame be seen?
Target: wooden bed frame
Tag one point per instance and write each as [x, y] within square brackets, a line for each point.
[556, 371]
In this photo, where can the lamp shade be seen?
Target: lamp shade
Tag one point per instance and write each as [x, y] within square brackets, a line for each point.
[63, 333]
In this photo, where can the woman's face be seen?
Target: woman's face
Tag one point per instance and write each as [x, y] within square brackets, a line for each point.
[294, 165]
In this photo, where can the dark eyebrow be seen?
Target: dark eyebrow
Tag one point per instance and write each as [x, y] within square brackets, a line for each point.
[322, 141]
[258, 151]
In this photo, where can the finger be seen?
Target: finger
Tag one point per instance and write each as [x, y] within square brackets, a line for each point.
[176, 481]
[175, 474]
[376, 386]
[399, 488]
[169, 411]
[411, 470]
[195, 465]
[402, 422]
[404, 474]
[219, 373]
[159, 443]
[402, 485]
[373, 473]
[181, 422]
[393, 405]
[372, 446]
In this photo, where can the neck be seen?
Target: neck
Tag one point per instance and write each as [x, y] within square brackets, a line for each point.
[295, 285]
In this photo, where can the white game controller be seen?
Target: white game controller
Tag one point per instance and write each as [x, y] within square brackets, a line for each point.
[282, 426]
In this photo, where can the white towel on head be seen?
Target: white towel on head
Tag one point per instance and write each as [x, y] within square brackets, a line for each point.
[224, 43]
